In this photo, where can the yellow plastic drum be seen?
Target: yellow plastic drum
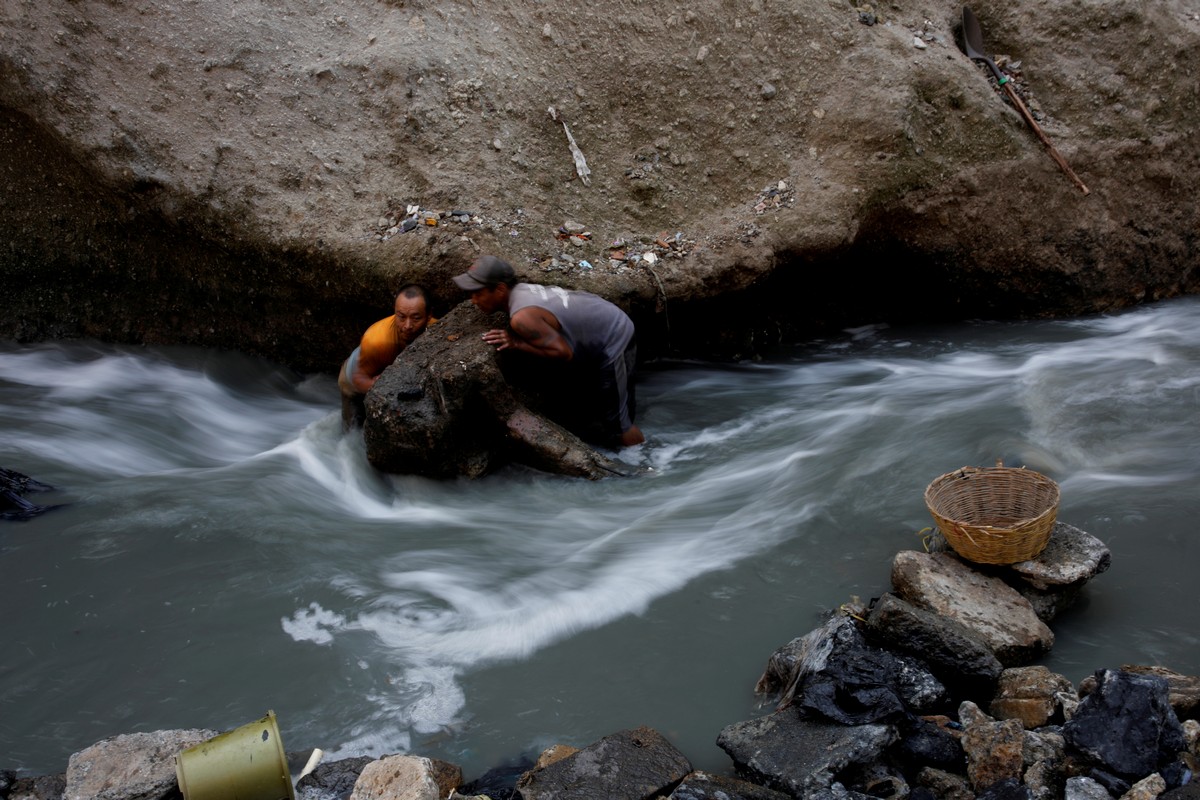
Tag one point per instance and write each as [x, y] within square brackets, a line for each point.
[246, 763]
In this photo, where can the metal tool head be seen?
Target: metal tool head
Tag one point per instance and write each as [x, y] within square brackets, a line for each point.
[973, 41]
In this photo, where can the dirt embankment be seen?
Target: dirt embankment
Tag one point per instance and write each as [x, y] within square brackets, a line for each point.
[239, 176]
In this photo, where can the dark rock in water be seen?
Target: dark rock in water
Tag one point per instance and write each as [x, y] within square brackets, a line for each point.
[799, 756]
[1183, 691]
[634, 763]
[500, 782]
[18, 483]
[444, 408]
[1126, 725]
[43, 787]
[13, 488]
[834, 674]
[961, 660]
[335, 778]
[7, 779]
[705, 786]
[859, 684]
[1007, 789]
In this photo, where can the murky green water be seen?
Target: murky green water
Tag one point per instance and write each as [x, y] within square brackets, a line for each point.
[227, 551]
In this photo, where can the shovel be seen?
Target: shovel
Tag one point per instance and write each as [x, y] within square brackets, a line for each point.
[973, 39]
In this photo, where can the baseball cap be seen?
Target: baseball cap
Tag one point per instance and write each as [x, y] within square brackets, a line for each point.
[486, 271]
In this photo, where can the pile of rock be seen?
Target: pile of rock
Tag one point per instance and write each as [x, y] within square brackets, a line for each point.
[925, 693]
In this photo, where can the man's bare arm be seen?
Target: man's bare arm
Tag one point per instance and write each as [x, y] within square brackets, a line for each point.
[532, 330]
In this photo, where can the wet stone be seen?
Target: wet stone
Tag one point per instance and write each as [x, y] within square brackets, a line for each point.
[1071, 556]
[1126, 725]
[632, 763]
[1029, 695]
[985, 605]
[995, 750]
[130, 765]
[1083, 788]
[798, 756]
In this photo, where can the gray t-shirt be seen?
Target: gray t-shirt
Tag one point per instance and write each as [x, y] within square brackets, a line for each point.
[596, 329]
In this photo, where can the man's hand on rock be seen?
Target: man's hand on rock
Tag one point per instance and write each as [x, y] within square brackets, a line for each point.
[498, 337]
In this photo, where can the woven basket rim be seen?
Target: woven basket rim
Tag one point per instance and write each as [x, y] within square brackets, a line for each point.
[1013, 541]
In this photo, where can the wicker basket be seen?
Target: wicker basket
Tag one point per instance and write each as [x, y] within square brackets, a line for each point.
[994, 515]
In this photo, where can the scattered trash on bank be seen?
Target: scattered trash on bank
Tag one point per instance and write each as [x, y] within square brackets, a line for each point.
[578, 246]
[393, 223]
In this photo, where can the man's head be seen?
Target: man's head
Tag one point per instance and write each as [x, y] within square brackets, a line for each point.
[411, 313]
[488, 280]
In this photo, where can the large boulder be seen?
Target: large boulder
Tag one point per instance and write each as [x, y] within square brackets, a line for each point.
[133, 766]
[985, 605]
[958, 657]
[1183, 691]
[836, 675]
[1126, 725]
[405, 777]
[1053, 580]
[13, 488]
[446, 408]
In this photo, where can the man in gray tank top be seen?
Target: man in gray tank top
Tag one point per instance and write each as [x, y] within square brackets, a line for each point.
[566, 325]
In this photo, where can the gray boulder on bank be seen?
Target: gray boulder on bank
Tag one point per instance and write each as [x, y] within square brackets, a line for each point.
[1053, 580]
[958, 657]
[1183, 691]
[406, 777]
[834, 674]
[801, 757]
[1126, 725]
[985, 605]
[445, 408]
[134, 766]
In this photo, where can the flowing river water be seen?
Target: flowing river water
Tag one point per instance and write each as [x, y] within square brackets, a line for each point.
[224, 549]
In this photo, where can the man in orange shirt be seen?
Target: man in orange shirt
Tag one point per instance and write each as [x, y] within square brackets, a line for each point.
[380, 346]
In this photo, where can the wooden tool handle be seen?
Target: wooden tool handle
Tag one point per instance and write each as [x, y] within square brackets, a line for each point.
[1058, 159]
